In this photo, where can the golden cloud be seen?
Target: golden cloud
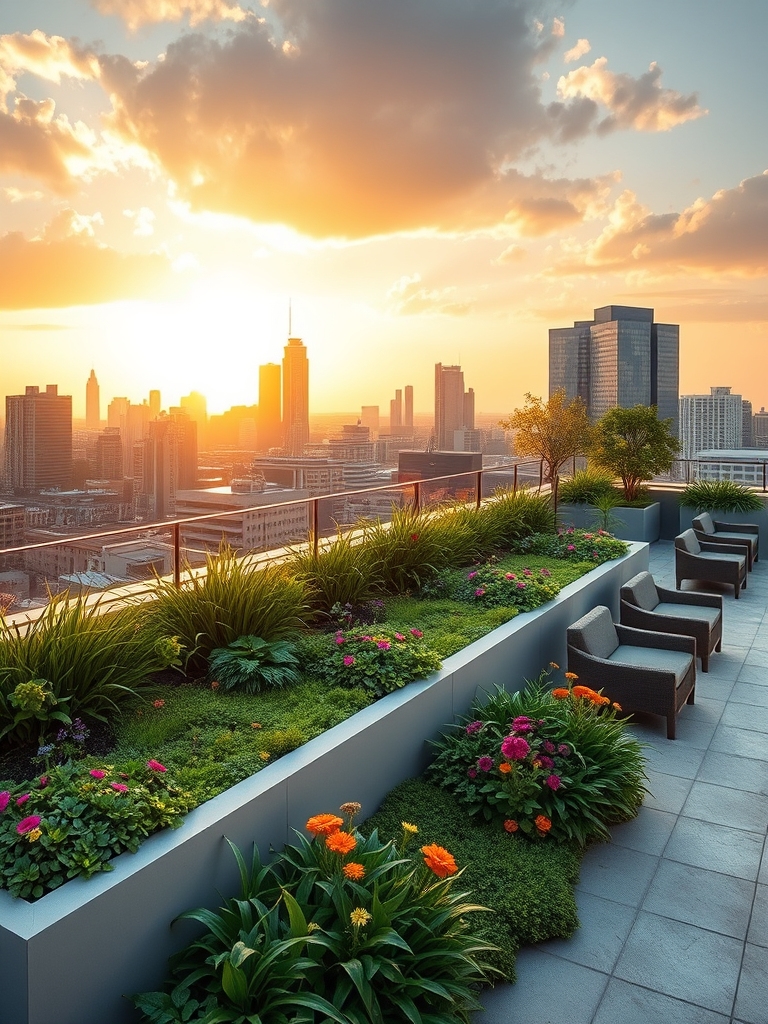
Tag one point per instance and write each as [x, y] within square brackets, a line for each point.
[136, 13]
[409, 296]
[47, 57]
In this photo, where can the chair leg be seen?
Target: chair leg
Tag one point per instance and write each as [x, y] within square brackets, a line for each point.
[705, 663]
[671, 725]
[719, 645]
[691, 696]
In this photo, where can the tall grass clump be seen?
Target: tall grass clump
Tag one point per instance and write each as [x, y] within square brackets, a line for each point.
[345, 571]
[720, 496]
[586, 487]
[82, 661]
[230, 600]
[510, 516]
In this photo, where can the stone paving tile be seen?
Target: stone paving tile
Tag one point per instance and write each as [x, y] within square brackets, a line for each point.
[757, 674]
[740, 716]
[740, 742]
[624, 1003]
[683, 961]
[716, 847]
[618, 873]
[667, 792]
[741, 773]
[724, 806]
[648, 832]
[605, 926]
[758, 926]
[751, 1002]
[677, 892]
[675, 758]
[751, 693]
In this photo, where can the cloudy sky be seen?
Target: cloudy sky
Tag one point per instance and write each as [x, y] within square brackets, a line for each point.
[427, 180]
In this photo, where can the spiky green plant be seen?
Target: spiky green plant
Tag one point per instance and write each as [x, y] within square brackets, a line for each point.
[344, 571]
[720, 496]
[585, 486]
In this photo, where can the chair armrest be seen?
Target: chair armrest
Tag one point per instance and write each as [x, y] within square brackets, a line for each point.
[690, 597]
[722, 549]
[662, 641]
[737, 527]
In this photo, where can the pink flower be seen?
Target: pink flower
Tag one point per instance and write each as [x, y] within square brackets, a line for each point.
[595, 554]
[485, 763]
[588, 536]
[549, 746]
[527, 572]
[349, 661]
[399, 636]
[22, 799]
[546, 762]
[417, 633]
[545, 572]
[473, 727]
[471, 575]
[472, 773]
[158, 703]
[509, 576]
[515, 748]
[553, 781]
[43, 781]
[119, 787]
[97, 773]
[366, 638]
[479, 592]
[27, 824]
[564, 750]
[155, 766]
[521, 724]
[571, 547]
[383, 645]
[521, 585]
[5, 797]
[339, 638]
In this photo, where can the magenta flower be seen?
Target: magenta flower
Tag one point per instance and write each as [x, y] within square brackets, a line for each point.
[97, 773]
[549, 746]
[527, 572]
[474, 727]
[366, 638]
[349, 661]
[417, 633]
[485, 763]
[43, 781]
[595, 554]
[546, 762]
[399, 636]
[5, 797]
[119, 787]
[509, 576]
[588, 536]
[521, 585]
[553, 781]
[515, 748]
[27, 824]
[471, 575]
[545, 572]
[339, 638]
[564, 750]
[383, 645]
[472, 773]
[479, 592]
[521, 724]
[571, 547]
[155, 766]
[22, 799]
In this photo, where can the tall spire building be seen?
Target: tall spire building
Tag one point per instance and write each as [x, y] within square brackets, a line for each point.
[92, 403]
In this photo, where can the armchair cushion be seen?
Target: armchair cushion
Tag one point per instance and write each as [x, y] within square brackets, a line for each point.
[729, 554]
[594, 633]
[675, 662]
[687, 541]
[641, 590]
[687, 611]
[704, 521]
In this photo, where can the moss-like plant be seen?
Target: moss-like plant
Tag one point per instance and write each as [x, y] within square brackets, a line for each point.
[720, 496]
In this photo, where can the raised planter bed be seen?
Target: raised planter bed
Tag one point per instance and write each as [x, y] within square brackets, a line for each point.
[70, 957]
[687, 515]
[639, 524]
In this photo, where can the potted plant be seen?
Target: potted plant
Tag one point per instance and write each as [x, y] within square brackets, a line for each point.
[725, 500]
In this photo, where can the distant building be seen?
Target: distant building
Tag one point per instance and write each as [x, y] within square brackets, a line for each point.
[92, 403]
[760, 428]
[369, 417]
[454, 408]
[425, 465]
[195, 405]
[38, 440]
[408, 419]
[164, 462]
[154, 404]
[619, 358]
[741, 465]
[270, 429]
[316, 476]
[262, 523]
[295, 397]
[708, 422]
[747, 432]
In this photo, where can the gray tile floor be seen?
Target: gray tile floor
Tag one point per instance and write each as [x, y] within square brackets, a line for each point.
[674, 911]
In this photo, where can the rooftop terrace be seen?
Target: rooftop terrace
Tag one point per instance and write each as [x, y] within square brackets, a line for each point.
[674, 912]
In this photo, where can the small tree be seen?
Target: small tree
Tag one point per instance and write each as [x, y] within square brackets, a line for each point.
[633, 444]
[553, 431]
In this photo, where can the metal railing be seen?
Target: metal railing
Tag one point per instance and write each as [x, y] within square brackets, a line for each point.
[690, 470]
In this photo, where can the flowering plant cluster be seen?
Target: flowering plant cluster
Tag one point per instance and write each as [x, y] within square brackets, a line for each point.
[576, 545]
[380, 660]
[72, 820]
[493, 588]
[353, 929]
[545, 763]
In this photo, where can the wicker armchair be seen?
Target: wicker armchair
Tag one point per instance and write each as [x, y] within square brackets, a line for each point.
[645, 605]
[713, 563]
[641, 670]
[744, 535]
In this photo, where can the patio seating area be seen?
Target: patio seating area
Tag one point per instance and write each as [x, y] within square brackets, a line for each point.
[674, 912]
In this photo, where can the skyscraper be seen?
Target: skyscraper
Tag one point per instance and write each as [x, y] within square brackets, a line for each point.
[621, 357]
[269, 424]
[709, 422]
[154, 404]
[408, 422]
[38, 440]
[197, 407]
[92, 404]
[454, 410]
[295, 397]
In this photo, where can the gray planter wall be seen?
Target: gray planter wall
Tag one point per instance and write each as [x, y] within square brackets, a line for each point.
[70, 957]
[687, 516]
[640, 524]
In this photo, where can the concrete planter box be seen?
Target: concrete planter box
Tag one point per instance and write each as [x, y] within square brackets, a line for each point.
[70, 957]
[687, 515]
[640, 524]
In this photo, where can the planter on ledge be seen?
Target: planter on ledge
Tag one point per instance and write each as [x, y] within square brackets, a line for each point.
[639, 524]
[687, 515]
[70, 957]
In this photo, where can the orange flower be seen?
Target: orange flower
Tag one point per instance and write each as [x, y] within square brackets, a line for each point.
[553, 664]
[505, 767]
[542, 823]
[340, 842]
[510, 825]
[601, 700]
[353, 870]
[571, 675]
[561, 693]
[324, 824]
[616, 706]
[439, 861]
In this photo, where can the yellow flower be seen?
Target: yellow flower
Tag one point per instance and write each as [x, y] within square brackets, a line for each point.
[553, 664]
[408, 827]
[264, 755]
[34, 835]
[571, 675]
[359, 917]
[313, 926]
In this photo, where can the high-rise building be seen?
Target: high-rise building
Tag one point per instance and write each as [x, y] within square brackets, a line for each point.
[154, 404]
[38, 440]
[396, 412]
[269, 424]
[408, 422]
[92, 403]
[369, 417]
[454, 409]
[621, 357]
[108, 455]
[747, 431]
[760, 428]
[710, 422]
[196, 406]
[295, 397]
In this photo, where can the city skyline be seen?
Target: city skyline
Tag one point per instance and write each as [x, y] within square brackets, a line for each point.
[431, 183]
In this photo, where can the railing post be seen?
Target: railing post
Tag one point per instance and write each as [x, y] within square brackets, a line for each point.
[764, 468]
[514, 480]
[541, 473]
[417, 496]
[479, 497]
[315, 526]
[176, 555]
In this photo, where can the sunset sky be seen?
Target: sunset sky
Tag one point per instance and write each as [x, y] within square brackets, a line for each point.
[428, 180]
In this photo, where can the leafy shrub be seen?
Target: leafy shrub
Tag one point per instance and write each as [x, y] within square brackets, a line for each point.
[73, 820]
[519, 514]
[491, 587]
[633, 444]
[34, 702]
[343, 927]
[345, 616]
[720, 496]
[380, 661]
[585, 487]
[345, 571]
[575, 546]
[231, 599]
[556, 764]
[90, 662]
[252, 664]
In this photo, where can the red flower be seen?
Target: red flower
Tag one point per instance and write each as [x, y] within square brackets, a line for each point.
[27, 824]
[155, 766]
